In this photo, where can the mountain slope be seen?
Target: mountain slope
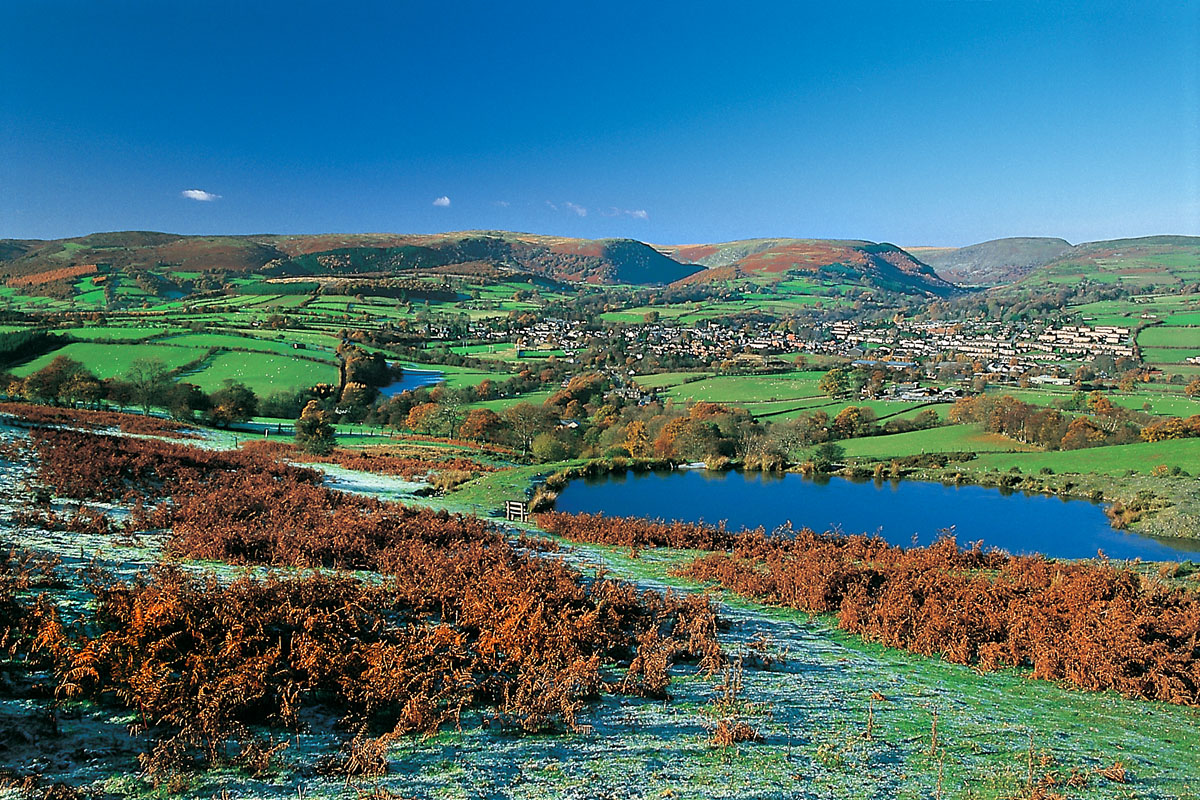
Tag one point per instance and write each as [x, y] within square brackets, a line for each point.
[995, 262]
[872, 265]
[594, 261]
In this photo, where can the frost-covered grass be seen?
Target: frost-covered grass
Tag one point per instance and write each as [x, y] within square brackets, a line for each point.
[813, 692]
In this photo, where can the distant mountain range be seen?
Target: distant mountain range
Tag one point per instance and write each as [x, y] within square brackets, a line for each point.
[783, 262]
[599, 261]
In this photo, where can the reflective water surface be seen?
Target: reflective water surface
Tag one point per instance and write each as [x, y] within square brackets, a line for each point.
[903, 512]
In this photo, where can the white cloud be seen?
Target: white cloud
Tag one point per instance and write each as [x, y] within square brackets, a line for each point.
[503, 203]
[580, 210]
[199, 194]
[637, 213]
[442, 202]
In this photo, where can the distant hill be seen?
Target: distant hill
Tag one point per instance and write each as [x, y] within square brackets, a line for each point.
[1160, 262]
[996, 262]
[883, 266]
[603, 261]
[595, 261]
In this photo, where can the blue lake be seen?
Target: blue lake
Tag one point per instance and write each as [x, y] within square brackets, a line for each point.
[903, 512]
[412, 379]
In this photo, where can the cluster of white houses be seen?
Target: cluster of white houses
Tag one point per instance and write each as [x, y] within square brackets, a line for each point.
[1023, 347]
[1001, 347]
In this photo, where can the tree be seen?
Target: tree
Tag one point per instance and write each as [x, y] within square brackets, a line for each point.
[1192, 390]
[422, 418]
[183, 400]
[1082, 432]
[835, 382]
[826, 455]
[548, 447]
[527, 421]
[482, 425]
[637, 441]
[148, 380]
[688, 438]
[47, 384]
[234, 402]
[314, 434]
[854, 421]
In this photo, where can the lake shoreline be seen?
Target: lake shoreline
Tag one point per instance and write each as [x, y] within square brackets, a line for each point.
[1058, 526]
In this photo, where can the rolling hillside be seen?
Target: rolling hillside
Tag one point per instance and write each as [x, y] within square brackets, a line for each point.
[1152, 262]
[831, 261]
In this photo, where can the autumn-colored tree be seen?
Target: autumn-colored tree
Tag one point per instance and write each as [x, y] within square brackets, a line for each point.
[1099, 404]
[46, 385]
[82, 387]
[606, 416]
[637, 440]
[423, 418]
[854, 421]
[482, 425]
[1172, 428]
[835, 382]
[1082, 432]
[688, 438]
[1192, 390]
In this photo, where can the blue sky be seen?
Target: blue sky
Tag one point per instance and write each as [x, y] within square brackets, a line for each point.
[911, 122]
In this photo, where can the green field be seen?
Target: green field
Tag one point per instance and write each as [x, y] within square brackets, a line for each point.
[1141, 457]
[262, 372]
[132, 333]
[231, 342]
[1169, 355]
[498, 405]
[113, 360]
[1162, 336]
[664, 379]
[691, 313]
[742, 389]
[1162, 400]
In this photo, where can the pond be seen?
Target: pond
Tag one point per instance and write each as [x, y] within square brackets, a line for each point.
[903, 512]
[412, 379]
